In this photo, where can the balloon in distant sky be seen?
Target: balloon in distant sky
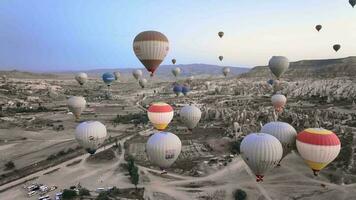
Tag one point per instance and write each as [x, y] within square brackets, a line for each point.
[318, 27]
[163, 149]
[278, 102]
[284, 132]
[221, 58]
[336, 47]
[90, 135]
[108, 78]
[174, 61]
[352, 2]
[117, 75]
[137, 74]
[82, 78]
[151, 47]
[160, 115]
[278, 65]
[177, 89]
[261, 152]
[190, 115]
[185, 90]
[318, 147]
[270, 81]
[176, 71]
[226, 71]
[76, 105]
[142, 82]
[221, 34]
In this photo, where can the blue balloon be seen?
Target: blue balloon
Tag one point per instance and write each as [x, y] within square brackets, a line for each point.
[108, 78]
[270, 82]
[177, 89]
[185, 90]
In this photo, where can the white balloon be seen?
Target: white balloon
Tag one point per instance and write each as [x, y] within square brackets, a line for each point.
[137, 74]
[284, 132]
[76, 105]
[90, 135]
[82, 78]
[261, 152]
[190, 116]
[163, 149]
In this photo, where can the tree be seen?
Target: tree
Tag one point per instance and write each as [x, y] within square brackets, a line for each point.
[102, 196]
[9, 165]
[84, 192]
[135, 176]
[69, 194]
[240, 194]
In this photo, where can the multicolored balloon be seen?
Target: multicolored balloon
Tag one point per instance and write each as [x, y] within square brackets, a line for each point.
[160, 115]
[318, 147]
[108, 78]
[177, 89]
[151, 47]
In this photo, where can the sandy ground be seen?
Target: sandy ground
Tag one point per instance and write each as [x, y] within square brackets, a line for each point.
[292, 181]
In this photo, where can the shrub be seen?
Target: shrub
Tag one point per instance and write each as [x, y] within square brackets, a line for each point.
[69, 194]
[102, 196]
[9, 165]
[84, 192]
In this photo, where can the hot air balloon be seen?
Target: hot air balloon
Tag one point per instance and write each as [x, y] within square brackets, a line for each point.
[76, 105]
[261, 152]
[284, 132]
[142, 82]
[207, 84]
[176, 71]
[108, 78]
[336, 47]
[174, 61]
[163, 149]
[151, 47]
[278, 102]
[270, 81]
[90, 135]
[226, 71]
[160, 115]
[137, 74]
[190, 79]
[190, 115]
[218, 90]
[117, 75]
[221, 34]
[82, 78]
[352, 3]
[318, 27]
[318, 147]
[221, 58]
[177, 89]
[278, 65]
[185, 90]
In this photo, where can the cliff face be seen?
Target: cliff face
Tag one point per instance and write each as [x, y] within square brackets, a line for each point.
[311, 69]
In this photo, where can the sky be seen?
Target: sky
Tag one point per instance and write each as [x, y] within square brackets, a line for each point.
[59, 35]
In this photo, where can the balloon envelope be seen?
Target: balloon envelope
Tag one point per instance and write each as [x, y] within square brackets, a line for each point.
[284, 132]
[108, 78]
[117, 75]
[160, 115]
[279, 101]
[336, 47]
[221, 58]
[137, 74]
[318, 147]
[81, 78]
[261, 152]
[278, 65]
[190, 115]
[151, 47]
[226, 71]
[318, 27]
[163, 149]
[90, 135]
[176, 71]
[174, 61]
[221, 34]
[76, 105]
[185, 90]
[352, 3]
[177, 89]
[142, 82]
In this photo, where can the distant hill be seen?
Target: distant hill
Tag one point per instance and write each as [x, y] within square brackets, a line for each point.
[328, 68]
[165, 71]
[26, 75]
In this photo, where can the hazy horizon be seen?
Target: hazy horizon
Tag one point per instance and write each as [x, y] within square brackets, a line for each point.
[39, 35]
